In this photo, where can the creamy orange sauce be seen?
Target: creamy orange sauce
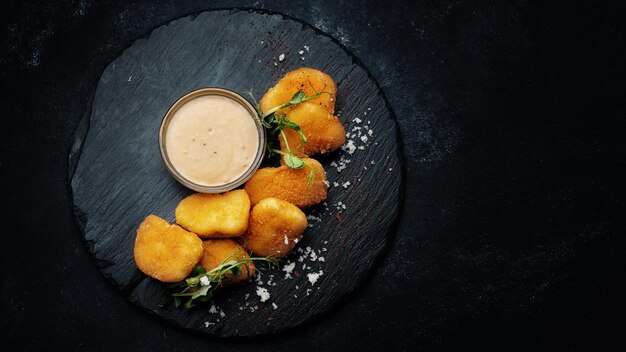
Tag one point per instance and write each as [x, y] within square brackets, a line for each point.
[211, 140]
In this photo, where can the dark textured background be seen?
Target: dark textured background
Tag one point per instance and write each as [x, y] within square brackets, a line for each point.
[511, 237]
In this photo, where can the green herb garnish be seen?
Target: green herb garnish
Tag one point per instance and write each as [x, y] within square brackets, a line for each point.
[200, 284]
[276, 123]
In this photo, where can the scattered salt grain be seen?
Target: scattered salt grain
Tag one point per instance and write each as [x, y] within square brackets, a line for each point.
[281, 57]
[306, 48]
[263, 293]
[313, 218]
[357, 120]
[204, 281]
[288, 269]
[349, 147]
[274, 305]
[301, 52]
[346, 184]
[313, 277]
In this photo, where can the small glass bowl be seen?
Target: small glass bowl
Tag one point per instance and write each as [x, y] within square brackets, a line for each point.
[224, 93]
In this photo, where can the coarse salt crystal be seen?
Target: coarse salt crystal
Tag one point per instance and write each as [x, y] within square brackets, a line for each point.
[274, 305]
[204, 281]
[357, 120]
[281, 57]
[313, 277]
[286, 242]
[349, 147]
[288, 269]
[263, 293]
[346, 184]
[301, 52]
[363, 138]
[306, 48]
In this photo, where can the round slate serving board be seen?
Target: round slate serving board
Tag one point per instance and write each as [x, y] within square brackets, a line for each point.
[118, 178]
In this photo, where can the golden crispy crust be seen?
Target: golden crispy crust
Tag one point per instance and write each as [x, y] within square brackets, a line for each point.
[217, 250]
[215, 215]
[275, 227]
[288, 184]
[164, 251]
[308, 80]
[324, 132]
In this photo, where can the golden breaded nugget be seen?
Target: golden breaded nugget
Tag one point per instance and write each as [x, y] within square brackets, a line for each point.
[275, 227]
[164, 251]
[324, 132]
[289, 184]
[308, 80]
[215, 215]
[217, 250]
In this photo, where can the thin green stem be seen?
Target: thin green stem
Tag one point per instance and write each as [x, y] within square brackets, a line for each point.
[282, 133]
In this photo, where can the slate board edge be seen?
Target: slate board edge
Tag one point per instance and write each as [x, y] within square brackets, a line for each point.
[82, 129]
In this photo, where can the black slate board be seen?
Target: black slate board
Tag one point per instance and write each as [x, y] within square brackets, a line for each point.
[118, 178]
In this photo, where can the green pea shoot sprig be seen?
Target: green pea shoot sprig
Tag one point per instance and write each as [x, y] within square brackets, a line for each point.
[276, 123]
[200, 284]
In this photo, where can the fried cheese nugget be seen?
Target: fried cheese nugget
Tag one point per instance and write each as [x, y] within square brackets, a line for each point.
[289, 184]
[217, 250]
[323, 130]
[275, 227]
[164, 251]
[308, 80]
[215, 215]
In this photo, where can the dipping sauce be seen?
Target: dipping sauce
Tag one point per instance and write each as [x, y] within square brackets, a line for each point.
[212, 140]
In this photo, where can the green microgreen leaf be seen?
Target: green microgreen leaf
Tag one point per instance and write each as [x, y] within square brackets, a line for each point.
[202, 291]
[275, 124]
[297, 98]
[198, 270]
[193, 281]
[189, 292]
[293, 161]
